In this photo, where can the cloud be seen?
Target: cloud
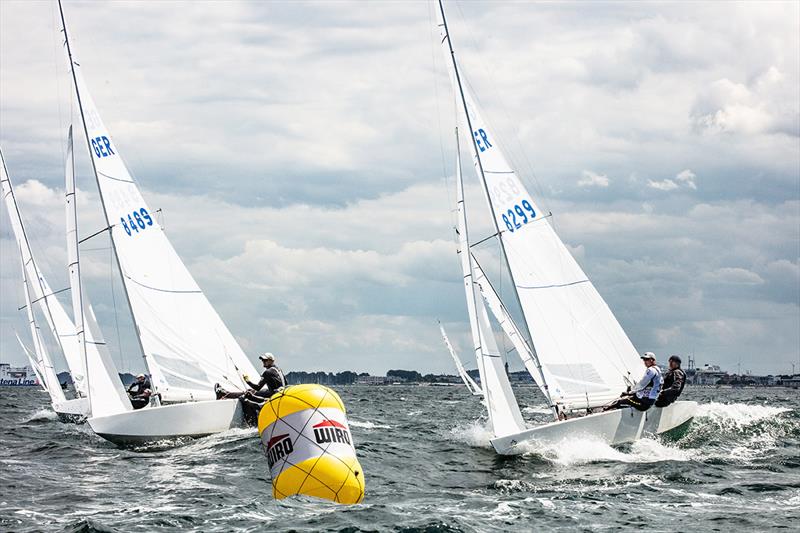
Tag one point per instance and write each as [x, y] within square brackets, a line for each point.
[591, 179]
[687, 178]
[684, 178]
[300, 173]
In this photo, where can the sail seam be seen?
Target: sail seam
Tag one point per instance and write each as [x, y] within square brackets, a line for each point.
[552, 286]
[163, 290]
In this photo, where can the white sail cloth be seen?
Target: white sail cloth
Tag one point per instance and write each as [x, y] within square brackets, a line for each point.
[472, 387]
[585, 355]
[187, 346]
[504, 414]
[38, 291]
[106, 393]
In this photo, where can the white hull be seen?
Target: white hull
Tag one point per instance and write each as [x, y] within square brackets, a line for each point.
[75, 411]
[153, 424]
[613, 427]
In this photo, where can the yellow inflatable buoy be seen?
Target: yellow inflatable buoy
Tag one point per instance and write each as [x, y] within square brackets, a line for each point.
[309, 447]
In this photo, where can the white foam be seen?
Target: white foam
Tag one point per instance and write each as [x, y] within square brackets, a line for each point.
[475, 434]
[367, 425]
[737, 415]
[584, 450]
[43, 414]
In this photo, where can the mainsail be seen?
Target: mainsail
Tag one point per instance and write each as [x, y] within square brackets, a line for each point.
[586, 357]
[34, 362]
[185, 343]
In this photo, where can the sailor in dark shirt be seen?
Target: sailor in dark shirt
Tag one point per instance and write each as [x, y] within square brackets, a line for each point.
[674, 381]
[140, 391]
[271, 379]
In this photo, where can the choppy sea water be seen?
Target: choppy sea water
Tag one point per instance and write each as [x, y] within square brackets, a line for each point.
[428, 467]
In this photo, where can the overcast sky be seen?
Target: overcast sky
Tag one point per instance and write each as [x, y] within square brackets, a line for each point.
[302, 156]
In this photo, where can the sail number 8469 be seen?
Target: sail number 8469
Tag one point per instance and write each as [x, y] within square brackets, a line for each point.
[521, 211]
[137, 221]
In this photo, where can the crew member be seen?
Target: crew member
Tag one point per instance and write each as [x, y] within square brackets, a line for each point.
[272, 380]
[139, 392]
[674, 380]
[644, 394]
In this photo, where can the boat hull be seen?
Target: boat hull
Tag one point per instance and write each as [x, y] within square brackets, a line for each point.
[613, 427]
[167, 422]
[74, 411]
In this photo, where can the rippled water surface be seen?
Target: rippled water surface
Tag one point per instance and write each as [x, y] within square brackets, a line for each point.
[428, 466]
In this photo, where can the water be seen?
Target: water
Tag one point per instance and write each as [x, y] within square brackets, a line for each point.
[428, 466]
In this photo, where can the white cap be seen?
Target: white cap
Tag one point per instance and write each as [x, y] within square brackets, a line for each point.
[267, 356]
[648, 355]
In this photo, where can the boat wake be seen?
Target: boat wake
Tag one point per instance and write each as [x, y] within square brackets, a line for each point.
[719, 432]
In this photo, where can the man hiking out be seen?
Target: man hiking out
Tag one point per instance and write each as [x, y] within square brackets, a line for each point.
[644, 394]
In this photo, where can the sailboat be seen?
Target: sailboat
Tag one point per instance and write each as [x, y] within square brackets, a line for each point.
[576, 350]
[185, 345]
[469, 383]
[37, 292]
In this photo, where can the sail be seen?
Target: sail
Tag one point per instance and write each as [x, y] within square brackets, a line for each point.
[586, 357]
[186, 345]
[107, 396]
[37, 369]
[509, 326]
[51, 380]
[468, 381]
[106, 393]
[38, 291]
[504, 414]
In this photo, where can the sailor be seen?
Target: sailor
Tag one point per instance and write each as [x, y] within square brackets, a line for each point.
[272, 380]
[644, 394]
[139, 392]
[674, 380]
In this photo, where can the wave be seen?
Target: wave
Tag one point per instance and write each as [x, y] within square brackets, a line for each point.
[569, 452]
[367, 425]
[476, 434]
[42, 415]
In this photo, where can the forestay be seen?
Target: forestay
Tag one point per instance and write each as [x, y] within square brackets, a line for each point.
[586, 356]
[185, 343]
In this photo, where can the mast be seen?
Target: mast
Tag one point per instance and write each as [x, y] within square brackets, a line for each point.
[469, 279]
[73, 255]
[482, 176]
[97, 180]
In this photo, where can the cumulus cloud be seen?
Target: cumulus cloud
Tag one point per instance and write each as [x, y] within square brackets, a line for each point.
[592, 179]
[684, 178]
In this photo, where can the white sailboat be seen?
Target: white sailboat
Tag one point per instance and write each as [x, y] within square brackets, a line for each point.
[186, 346]
[37, 291]
[579, 355]
[472, 387]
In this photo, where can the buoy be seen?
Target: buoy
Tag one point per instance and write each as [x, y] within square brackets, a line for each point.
[307, 441]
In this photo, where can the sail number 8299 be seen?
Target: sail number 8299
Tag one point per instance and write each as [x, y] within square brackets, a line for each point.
[510, 217]
[138, 220]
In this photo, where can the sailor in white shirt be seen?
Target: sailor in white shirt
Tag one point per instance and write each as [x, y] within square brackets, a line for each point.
[644, 394]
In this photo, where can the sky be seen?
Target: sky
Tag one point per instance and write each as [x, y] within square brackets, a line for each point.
[302, 157]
